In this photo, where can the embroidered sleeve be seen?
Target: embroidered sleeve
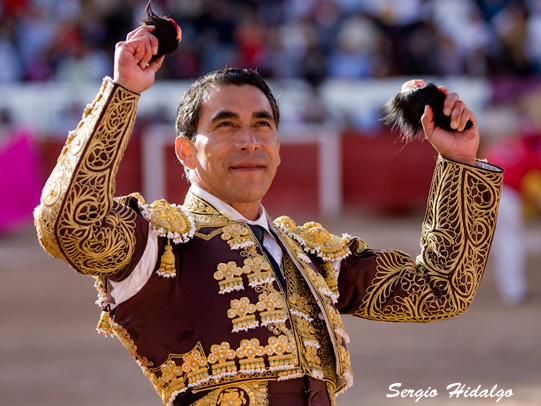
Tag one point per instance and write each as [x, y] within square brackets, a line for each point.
[441, 282]
[78, 220]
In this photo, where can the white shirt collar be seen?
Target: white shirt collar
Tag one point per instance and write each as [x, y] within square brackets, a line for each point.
[226, 209]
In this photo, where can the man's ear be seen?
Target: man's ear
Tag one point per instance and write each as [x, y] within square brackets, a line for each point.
[185, 151]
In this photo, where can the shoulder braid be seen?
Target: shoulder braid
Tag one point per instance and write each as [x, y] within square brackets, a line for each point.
[167, 220]
[315, 239]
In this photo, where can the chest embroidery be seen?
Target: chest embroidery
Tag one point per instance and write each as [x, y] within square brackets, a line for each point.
[299, 338]
[237, 236]
[256, 267]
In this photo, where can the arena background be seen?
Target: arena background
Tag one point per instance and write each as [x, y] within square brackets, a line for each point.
[332, 64]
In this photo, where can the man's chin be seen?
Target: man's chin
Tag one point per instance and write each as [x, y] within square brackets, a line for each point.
[250, 193]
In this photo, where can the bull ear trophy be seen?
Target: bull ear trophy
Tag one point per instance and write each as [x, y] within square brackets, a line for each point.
[167, 31]
[403, 112]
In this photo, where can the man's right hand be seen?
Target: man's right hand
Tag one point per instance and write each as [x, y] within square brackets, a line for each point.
[133, 68]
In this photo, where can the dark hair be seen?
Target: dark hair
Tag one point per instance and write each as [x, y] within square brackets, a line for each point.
[404, 111]
[189, 108]
[167, 31]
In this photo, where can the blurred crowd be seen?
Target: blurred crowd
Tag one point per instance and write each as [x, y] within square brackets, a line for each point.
[73, 40]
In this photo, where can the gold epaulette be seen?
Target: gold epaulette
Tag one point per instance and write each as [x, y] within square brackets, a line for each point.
[167, 220]
[315, 239]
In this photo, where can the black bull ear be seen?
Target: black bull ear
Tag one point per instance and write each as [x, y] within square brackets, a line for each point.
[167, 31]
[403, 112]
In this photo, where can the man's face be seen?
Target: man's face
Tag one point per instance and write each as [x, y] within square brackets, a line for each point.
[235, 152]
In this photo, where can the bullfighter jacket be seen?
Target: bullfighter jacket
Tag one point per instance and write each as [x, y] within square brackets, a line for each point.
[213, 322]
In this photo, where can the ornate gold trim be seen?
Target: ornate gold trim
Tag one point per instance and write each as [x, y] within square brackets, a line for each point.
[315, 239]
[169, 220]
[78, 220]
[456, 238]
[251, 393]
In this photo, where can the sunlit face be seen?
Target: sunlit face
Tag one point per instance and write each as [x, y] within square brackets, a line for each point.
[235, 152]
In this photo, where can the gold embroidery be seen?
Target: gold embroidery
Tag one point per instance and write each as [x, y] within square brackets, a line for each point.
[203, 213]
[280, 357]
[195, 367]
[307, 332]
[281, 353]
[242, 315]
[330, 277]
[324, 319]
[196, 205]
[271, 309]
[126, 340]
[441, 283]
[250, 355]
[336, 323]
[331, 388]
[315, 239]
[171, 380]
[258, 269]
[176, 370]
[169, 220]
[229, 277]
[222, 360]
[345, 380]
[253, 393]
[320, 284]
[312, 332]
[78, 220]
[237, 236]
[232, 397]
[300, 304]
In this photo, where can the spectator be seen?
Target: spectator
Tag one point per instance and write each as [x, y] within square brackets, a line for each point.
[511, 25]
[12, 67]
[518, 156]
[284, 39]
[356, 43]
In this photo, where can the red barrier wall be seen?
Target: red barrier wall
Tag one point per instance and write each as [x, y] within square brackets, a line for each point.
[382, 174]
[378, 174]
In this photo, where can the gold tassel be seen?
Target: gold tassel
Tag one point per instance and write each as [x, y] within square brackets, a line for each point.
[167, 263]
[104, 325]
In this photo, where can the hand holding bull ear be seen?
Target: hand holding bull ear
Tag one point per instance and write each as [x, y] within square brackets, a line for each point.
[449, 126]
[140, 56]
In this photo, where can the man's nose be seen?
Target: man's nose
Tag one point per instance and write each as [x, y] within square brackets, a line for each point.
[248, 139]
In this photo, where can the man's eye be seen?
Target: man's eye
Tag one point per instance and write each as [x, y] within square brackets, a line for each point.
[263, 124]
[225, 124]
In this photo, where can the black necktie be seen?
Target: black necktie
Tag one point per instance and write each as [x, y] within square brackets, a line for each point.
[259, 233]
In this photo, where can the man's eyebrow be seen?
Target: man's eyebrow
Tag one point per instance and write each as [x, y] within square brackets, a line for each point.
[229, 114]
[224, 115]
[263, 114]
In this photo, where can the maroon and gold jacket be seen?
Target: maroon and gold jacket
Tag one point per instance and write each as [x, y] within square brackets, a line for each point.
[213, 315]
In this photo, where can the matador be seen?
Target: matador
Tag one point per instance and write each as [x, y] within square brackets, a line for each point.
[218, 303]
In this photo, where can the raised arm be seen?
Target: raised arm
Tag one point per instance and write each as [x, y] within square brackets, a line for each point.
[456, 235]
[78, 220]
